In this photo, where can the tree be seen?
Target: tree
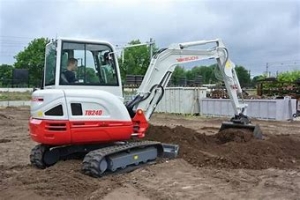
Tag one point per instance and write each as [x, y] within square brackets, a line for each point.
[136, 59]
[5, 74]
[33, 58]
[195, 71]
[207, 73]
[290, 76]
[243, 76]
[178, 74]
[256, 79]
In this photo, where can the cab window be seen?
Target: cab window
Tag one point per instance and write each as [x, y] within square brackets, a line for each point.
[50, 64]
[88, 64]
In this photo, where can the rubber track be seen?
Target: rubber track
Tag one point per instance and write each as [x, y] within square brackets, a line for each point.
[36, 156]
[92, 159]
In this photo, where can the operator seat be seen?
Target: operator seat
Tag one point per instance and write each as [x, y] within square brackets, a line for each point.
[63, 79]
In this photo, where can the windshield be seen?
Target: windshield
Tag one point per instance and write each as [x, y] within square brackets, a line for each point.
[87, 64]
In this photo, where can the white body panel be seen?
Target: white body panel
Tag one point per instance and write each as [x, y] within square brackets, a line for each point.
[117, 91]
[50, 99]
[112, 108]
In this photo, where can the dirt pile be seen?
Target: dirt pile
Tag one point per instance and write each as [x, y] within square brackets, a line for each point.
[236, 135]
[231, 149]
[62, 179]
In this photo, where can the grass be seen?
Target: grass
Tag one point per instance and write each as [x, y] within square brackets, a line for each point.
[15, 96]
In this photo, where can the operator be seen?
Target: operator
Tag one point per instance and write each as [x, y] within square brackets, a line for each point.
[71, 68]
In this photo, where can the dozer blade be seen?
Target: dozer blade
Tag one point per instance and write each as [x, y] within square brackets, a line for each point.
[257, 133]
[170, 150]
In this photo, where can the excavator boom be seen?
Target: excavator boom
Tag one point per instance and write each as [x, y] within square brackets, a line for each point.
[163, 64]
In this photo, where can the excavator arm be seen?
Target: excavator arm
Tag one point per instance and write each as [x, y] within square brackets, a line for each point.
[162, 66]
[164, 62]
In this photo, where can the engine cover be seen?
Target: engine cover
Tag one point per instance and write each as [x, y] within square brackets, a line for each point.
[62, 116]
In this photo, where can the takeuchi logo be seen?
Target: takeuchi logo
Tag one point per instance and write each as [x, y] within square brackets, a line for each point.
[187, 58]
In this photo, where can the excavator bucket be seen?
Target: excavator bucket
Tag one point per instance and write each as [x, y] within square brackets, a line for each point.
[257, 133]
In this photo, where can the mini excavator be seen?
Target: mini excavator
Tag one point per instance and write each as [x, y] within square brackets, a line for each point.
[88, 116]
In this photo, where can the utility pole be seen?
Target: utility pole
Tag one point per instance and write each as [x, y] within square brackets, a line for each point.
[249, 72]
[267, 70]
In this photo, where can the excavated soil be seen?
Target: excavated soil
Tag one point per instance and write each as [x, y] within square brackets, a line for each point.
[230, 148]
[228, 165]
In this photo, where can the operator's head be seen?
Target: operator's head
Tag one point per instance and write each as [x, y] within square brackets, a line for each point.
[72, 64]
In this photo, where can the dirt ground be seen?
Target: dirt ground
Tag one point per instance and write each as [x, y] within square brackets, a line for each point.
[208, 166]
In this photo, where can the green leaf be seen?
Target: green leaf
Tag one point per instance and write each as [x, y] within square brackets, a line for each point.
[33, 58]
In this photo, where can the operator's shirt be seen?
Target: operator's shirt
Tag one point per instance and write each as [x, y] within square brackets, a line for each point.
[70, 76]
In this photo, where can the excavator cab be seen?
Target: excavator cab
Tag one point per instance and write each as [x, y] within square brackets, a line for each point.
[92, 69]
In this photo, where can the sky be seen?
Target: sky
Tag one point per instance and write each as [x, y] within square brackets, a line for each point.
[257, 33]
